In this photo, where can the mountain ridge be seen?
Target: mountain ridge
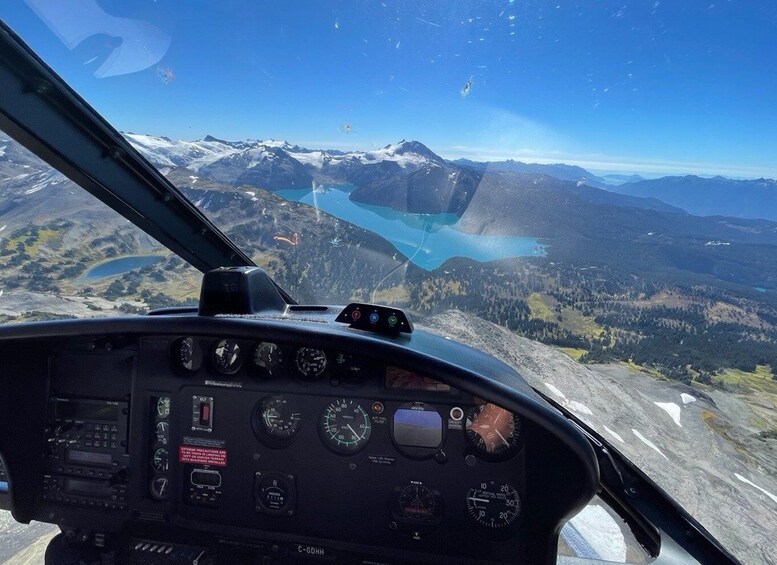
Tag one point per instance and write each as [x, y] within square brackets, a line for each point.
[442, 186]
[714, 196]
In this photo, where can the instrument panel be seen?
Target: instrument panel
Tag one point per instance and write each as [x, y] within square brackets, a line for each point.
[280, 435]
[279, 444]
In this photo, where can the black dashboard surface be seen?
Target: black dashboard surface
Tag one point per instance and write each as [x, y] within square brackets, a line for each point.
[271, 440]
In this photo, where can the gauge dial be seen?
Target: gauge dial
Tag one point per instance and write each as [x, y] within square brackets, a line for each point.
[268, 358]
[345, 426]
[187, 354]
[158, 488]
[226, 357]
[310, 363]
[159, 460]
[162, 432]
[163, 407]
[275, 494]
[493, 505]
[417, 504]
[492, 431]
[276, 420]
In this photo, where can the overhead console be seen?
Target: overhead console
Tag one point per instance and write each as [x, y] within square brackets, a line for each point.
[281, 437]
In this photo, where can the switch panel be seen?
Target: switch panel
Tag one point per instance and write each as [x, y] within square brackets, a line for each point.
[202, 413]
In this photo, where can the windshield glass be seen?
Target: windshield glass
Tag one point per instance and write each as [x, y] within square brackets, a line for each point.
[595, 177]
[65, 254]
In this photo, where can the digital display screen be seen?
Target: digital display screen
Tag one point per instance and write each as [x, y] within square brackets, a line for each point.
[417, 428]
[408, 380]
[76, 456]
[86, 487]
[66, 410]
[206, 478]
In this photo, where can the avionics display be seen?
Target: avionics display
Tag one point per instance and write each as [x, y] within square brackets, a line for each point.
[401, 378]
[89, 457]
[81, 410]
[417, 428]
[97, 488]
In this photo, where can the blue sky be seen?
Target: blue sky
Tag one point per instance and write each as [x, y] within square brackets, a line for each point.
[645, 86]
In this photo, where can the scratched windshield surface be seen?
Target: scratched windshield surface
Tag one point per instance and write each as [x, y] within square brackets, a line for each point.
[584, 189]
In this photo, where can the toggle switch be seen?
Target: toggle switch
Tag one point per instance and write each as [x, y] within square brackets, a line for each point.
[202, 413]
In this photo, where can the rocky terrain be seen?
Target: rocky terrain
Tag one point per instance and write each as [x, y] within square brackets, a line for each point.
[23, 544]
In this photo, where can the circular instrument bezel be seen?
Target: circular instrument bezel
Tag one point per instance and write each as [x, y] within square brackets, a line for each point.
[429, 498]
[259, 422]
[233, 366]
[505, 447]
[261, 366]
[482, 510]
[329, 428]
[304, 368]
[194, 352]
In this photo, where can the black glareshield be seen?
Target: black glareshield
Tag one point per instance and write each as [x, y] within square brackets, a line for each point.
[239, 290]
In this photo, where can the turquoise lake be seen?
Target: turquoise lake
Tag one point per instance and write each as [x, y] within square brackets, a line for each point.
[427, 239]
[121, 265]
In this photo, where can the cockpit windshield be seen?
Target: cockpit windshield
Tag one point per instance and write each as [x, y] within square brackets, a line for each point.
[596, 177]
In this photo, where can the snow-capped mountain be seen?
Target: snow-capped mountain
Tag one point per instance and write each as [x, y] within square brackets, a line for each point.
[229, 160]
[430, 184]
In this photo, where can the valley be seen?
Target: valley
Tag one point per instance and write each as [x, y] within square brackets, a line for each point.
[609, 277]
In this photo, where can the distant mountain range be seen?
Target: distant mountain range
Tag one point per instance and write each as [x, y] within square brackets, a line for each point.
[629, 229]
[422, 181]
[716, 196]
[406, 176]
[634, 232]
[557, 170]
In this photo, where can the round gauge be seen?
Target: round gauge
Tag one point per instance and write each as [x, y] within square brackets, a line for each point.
[159, 460]
[268, 358]
[417, 504]
[158, 488]
[493, 505]
[345, 426]
[162, 432]
[310, 363]
[492, 431]
[276, 420]
[163, 407]
[187, 354]
[226, 356]
[275, 494]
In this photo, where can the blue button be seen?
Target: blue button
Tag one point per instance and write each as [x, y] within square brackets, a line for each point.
[374, 317]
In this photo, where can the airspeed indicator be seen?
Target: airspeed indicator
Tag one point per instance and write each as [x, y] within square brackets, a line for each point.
[345, 426]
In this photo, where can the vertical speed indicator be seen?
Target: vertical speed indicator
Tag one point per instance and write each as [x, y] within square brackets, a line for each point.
[345, 426]
[493, 505]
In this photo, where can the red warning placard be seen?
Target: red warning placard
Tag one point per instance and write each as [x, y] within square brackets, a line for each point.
[202, 455]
